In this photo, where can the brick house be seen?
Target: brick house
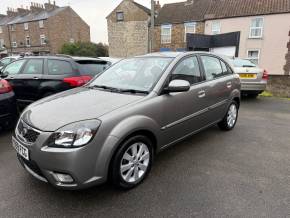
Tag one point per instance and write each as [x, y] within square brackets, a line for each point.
[176, 20]
[41, 29]
[128, 29]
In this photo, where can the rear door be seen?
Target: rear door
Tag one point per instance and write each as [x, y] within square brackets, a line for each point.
[31, 76]
[219, 85]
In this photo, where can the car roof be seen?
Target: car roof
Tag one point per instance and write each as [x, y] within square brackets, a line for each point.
[177, 54]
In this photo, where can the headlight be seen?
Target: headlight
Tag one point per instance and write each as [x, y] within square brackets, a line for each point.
[75, 134]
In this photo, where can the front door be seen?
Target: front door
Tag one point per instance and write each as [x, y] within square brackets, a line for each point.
[184, 112]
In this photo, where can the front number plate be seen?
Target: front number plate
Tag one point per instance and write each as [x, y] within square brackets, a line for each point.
[21, 150]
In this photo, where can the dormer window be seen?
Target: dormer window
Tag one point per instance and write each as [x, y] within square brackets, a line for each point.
[13, 27]
[120, 16]
[25, 26]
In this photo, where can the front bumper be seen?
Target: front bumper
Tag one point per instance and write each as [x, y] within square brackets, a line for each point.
[88, 165]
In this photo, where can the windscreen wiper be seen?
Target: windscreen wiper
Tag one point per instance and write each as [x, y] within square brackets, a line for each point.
[134, 91]
[105, 87]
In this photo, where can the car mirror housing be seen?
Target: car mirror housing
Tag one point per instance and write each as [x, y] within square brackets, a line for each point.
[178, 86]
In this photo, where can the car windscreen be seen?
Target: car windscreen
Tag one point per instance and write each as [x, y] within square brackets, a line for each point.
[5, 61]
[243, 63]
[91, 67]
[139, 74]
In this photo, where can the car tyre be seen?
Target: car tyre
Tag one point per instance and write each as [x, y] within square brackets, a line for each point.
[230, 119]
[132, 162]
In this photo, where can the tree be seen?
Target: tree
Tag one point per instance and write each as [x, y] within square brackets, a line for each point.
[87, 49]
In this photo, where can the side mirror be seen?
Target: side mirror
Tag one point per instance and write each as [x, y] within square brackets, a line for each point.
[178, 86]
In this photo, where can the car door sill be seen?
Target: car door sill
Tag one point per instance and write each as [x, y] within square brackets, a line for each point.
[188, 135]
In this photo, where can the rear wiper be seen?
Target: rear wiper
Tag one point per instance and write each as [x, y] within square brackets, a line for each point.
[134, 91]
[248, 66]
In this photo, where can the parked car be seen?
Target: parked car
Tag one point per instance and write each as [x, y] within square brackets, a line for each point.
[7, 60]
[112, 127]
[8, 111]
[253, 78]
[33, 78]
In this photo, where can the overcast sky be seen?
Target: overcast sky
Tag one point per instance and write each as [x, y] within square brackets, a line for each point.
[94, 12]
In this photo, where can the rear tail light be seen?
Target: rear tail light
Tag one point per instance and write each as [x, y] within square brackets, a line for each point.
[5, 87]
[265, 75]
[77, 81]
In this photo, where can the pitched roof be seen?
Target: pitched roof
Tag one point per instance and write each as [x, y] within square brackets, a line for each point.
[142, 7]
[242, 8]
[183, 11]
[35, 16]
[215, 9]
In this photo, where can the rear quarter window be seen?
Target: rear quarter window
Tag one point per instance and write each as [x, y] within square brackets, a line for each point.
[59, 67]
[92, 68]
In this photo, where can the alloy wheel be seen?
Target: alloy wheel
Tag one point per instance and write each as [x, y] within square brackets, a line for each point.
[232, 115]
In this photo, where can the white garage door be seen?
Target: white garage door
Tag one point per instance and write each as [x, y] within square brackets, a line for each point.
[228, 51]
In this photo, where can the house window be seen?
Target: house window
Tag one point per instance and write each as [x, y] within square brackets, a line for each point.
[189, 28]
[27, 41]
[1, 43]
[166, 34]
[253, 56]
[41, 24]
[216, 27]
[13, 27]
[14, 44]
[1, 30]
[256, 30]
[25, 26]
[120, 16]
[42, 40]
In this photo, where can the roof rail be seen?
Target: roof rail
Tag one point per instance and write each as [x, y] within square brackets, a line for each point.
[63, 55]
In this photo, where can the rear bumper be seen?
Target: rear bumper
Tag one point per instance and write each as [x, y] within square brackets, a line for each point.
[253, 86]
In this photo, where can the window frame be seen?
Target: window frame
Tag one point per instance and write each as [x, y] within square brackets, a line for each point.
[13, 27]
[42, 36]
[252, 28]
[72, 65]
[14, 44]
[27, 61]
[41, 24]
[220, 60]
[258, 57]
[1, 29]
[186, 25]
[2, 43]
[166, 26]
[123, 16]
[26, 26]
[215, 31]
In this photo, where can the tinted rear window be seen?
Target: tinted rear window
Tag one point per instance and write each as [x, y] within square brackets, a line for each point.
[92, 68]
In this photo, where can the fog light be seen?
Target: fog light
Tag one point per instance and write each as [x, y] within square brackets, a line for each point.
[63, 178]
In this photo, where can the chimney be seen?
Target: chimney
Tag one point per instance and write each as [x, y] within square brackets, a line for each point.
[12, 12]
[36, 7]
[23, 11]
[157, 6]
[50, 6]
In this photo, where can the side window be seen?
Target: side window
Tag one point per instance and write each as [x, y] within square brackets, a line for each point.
[14, 68]
[188, 70]
[226, 69]
[212, 67]
[33, 66]
[58, 67]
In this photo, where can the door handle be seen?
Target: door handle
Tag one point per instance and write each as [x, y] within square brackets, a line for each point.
[229, 85]
[201, 94]
[35, 77]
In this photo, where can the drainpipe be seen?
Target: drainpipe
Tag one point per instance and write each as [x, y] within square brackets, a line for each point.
[152, 25]
[9, 38]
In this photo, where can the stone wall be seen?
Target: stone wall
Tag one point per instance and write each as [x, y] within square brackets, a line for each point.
[287, 65]
[279, 85]
[177, 36]
[129, 37]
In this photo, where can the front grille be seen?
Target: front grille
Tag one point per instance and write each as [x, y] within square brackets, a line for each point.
[26, 133]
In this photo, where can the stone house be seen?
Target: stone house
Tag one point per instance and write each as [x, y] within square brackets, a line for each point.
[41, 29]
[128, 29]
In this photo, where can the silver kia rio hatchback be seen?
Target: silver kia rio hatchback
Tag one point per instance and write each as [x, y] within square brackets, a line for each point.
[111, 128]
